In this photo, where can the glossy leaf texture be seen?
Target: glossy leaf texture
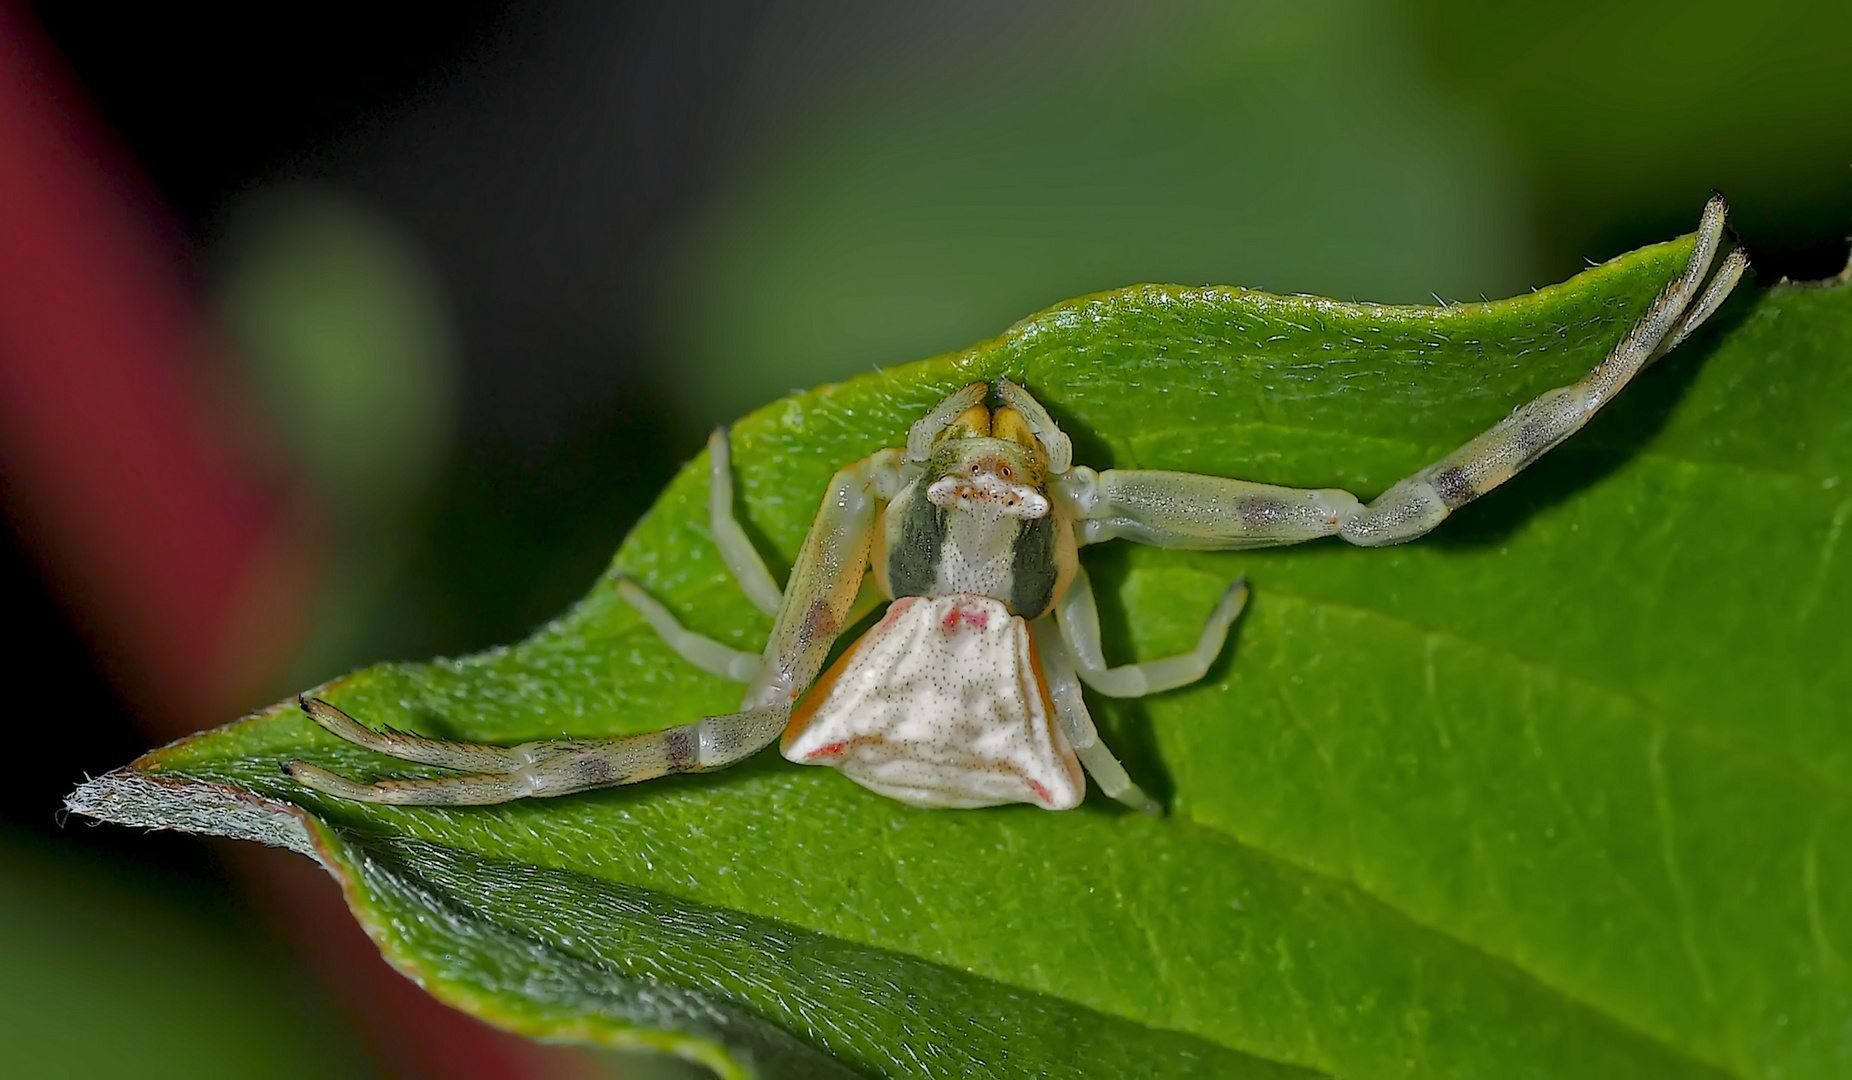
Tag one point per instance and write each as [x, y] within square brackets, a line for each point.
[1559, 790]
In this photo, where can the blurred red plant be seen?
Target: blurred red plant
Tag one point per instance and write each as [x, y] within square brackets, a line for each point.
[182, 550]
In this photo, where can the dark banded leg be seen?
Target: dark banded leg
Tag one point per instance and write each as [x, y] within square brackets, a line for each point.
[1416, 504]
[820, 601]
[1211, 513]
[538, 769]
[407, 747]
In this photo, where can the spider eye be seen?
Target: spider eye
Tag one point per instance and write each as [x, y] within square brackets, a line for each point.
[1006, 472]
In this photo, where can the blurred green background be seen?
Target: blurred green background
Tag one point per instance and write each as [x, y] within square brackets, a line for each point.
[491, 279]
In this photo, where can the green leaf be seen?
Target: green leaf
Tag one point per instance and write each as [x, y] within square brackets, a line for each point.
[1556, 791]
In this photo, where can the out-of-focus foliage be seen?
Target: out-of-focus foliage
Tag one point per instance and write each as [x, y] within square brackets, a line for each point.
[1620, 113]
[1293, 147]
[102, 980]
[344, 337]
[343, 331]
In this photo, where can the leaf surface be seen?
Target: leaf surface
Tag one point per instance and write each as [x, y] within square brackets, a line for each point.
[1553, 791]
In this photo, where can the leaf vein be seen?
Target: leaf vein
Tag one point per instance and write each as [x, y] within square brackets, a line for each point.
[1721, 740]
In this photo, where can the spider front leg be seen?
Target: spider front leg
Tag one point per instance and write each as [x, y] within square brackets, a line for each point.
[550, 767]
[1415, 505]
[1185, 510]
[816, 606]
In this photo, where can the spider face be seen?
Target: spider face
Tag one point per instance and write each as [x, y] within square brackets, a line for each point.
[991, 477]
[978, 521]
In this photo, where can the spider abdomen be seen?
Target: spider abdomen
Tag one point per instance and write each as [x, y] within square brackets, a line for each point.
[941, 704]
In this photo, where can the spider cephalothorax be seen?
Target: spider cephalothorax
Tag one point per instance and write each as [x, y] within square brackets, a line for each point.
[978, 519]
[967, 692]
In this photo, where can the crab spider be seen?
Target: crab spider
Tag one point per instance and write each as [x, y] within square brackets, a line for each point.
[967, 692]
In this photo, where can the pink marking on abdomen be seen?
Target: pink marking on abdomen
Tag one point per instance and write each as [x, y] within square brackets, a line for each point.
[1041, 792]
[826, 751]
[979, 618]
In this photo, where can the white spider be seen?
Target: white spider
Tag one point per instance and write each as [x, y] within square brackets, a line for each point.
[968, 691]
